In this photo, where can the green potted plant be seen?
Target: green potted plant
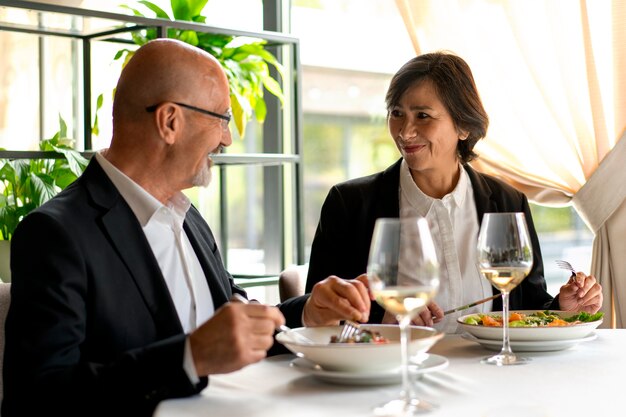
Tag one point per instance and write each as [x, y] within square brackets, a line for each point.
[245, 60]
[25, 184]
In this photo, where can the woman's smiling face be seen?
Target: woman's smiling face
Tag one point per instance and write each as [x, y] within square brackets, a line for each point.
[423, 129]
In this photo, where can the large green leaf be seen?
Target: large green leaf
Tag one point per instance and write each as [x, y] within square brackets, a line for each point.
[245, 40]
[62, 127]
[156, 9]
[189, 36]
[21, 167]
[10, 219]
[187, 9]
[95, 129]
[260, 110]
[120, 53]
[240, 115]
[25, 184]
[64, 178]
[43, 188]
[267, 57]
[213, 39]
[274, 88]
[141, 38]
[7, 170]
[76, 163]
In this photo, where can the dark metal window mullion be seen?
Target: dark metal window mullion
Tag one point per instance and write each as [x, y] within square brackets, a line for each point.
[41, 51]
[87, 93]
[223, 214]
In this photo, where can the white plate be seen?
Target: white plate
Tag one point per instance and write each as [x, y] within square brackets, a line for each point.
[531, 345]
[393, 376]
[357, 357]
[528, 334]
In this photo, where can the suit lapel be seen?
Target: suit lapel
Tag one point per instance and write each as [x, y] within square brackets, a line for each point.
[131, 245]
[205, 248]
[389, 186]
[381, 202]
[482, 194]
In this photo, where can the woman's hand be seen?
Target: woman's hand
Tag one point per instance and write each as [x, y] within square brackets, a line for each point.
[335, 299]
[427, 317]
[581, 293]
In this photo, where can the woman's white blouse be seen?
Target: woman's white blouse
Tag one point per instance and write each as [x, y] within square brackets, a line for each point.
[454, 226]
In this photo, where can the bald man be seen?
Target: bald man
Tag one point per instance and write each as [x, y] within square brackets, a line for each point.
[119, 295]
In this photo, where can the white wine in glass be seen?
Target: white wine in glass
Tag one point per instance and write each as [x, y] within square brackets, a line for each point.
[505, 257]
[403, 274]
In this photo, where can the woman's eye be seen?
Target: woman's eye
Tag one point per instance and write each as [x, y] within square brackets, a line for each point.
[395, 114]
[422, 115]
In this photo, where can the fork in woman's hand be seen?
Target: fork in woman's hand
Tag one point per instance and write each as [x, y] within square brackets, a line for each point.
[566, 265]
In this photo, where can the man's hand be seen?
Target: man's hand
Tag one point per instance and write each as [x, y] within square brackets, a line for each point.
[237, 335]
[335, 299]
[581, 293]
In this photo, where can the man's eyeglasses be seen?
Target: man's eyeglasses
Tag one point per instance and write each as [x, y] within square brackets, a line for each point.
[224, 117]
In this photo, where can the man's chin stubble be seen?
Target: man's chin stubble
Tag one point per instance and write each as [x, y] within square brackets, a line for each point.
[202, 178]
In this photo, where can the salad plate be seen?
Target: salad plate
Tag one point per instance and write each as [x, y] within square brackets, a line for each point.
[528, 333]
[531, 345]
[431, 363]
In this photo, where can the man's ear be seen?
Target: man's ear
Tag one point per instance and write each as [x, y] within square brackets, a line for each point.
[169, 119]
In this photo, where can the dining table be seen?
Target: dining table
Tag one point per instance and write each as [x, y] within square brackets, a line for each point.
[586, 379]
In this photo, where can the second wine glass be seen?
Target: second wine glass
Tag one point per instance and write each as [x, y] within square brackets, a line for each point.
[403, 274]
[505, 257]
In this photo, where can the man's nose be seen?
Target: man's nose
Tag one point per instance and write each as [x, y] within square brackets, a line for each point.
[227, 138]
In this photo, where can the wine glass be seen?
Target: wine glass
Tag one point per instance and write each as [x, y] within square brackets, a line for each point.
[403, 275]
[505, 256]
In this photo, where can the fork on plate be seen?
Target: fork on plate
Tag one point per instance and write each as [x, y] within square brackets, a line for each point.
[349, 331]
[567, 266]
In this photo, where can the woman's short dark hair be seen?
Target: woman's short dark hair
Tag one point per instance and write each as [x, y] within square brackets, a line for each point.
[454, 83]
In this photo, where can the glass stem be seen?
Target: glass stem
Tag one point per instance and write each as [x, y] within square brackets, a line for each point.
[506, 345]
[407, 388]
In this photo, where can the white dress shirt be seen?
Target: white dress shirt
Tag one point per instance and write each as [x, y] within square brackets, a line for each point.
[454, 227]
[179, 264]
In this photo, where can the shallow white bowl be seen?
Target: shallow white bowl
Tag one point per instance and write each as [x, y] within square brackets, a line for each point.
[357, 357]
[576, 331]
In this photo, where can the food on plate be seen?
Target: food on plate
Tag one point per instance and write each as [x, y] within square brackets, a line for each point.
[362, 336]
[544, 318]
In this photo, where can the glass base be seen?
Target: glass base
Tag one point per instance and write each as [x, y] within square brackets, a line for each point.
[401, 408]
[505, 359]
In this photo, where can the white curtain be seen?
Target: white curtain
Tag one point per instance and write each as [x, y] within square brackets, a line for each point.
[552, 77]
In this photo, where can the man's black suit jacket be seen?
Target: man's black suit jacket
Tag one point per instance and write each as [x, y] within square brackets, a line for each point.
[92, 328]
[342, 240]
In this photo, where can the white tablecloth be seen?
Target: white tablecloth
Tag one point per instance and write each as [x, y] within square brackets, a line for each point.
[586, 380]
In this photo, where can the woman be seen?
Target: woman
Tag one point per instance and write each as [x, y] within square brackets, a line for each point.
[435, 116]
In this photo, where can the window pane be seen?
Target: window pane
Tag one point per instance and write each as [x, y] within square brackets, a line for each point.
[336, 149]
[562, 235]
[23, 87]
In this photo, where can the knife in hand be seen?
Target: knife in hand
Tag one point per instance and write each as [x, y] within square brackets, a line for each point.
[475, 303]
